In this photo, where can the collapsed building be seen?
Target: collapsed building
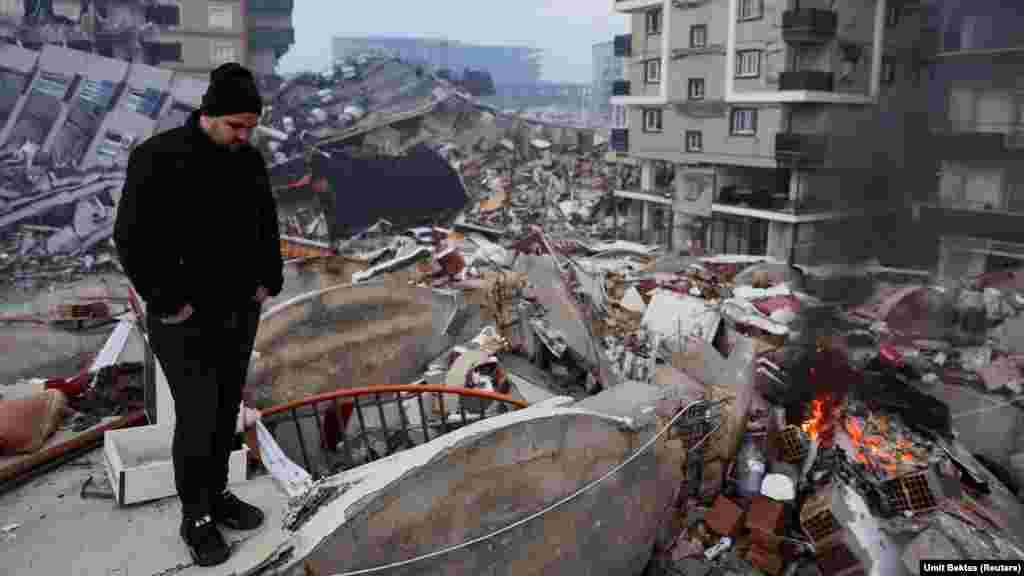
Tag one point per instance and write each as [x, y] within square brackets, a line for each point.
[743, 413]
[258, 32]
[69, 120]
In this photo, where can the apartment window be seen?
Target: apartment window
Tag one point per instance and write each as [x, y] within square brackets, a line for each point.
[652, 120]
[748, 63]
[694, 141]
[220, 16]
[165, 51]
[888, 70]
[695, 91]
[698, 36]
[166, 14]
[744, 121]
[751, 9]
[222, 52]
[892, 15]
[653, 19]
[652, 71]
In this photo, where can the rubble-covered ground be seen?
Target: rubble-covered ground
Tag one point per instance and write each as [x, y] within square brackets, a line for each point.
[852, 413]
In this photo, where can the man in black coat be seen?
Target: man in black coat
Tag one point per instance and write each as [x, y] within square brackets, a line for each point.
[197, 235]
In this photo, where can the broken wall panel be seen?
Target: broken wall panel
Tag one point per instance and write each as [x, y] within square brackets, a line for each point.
[134, 117]
[16, 68]
[186, 95]
[58, 70]
[405, 191]
[94, 99]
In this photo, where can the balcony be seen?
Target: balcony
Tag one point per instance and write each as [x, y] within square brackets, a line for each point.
[627, 6]
[980, 142]
[808, 80]
[271, 38]
[274, 6]
[800, 149]
[620, 88]
[624, 46]
[619, 141]
[809, 26]
[969, 221]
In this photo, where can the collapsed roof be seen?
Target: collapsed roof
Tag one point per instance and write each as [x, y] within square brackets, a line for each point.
[402, 190]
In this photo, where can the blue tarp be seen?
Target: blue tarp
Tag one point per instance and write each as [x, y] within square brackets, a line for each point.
[410, 190]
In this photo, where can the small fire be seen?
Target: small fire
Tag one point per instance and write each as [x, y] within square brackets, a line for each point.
[871, 449]
[814, 425]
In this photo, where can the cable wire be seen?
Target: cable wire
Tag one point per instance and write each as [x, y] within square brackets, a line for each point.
[545, 510]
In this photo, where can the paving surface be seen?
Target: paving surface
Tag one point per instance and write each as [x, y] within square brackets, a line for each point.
[59, 532]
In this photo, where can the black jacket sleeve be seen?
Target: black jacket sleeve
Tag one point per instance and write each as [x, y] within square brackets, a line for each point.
[271, 262]
[145, 245]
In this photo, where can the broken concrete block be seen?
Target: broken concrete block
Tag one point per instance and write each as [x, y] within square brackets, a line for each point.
[686, 548]
[1017, 467]
[725, 517]
[693, 567]
[928, 545]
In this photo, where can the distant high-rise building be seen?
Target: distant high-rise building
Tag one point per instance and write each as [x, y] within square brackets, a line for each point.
[607, 69]
[507, 64]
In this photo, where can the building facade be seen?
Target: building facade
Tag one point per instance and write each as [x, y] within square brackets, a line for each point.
[269, 33]
[977, 208]
[185, 36]
[775, 127]
[507, 64]
[608, 69]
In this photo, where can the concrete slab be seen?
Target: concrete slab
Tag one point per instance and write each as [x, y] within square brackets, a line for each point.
[33, 351]
[986, 424]
[61, 533]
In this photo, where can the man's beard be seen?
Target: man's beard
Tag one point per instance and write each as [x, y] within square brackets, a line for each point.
[237, 146]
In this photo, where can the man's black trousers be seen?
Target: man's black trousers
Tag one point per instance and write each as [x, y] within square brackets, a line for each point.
[206, 360]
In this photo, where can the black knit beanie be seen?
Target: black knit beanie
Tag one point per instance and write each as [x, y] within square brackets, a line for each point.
[232, 91]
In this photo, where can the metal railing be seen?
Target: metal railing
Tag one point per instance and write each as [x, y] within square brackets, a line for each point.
[359, 425]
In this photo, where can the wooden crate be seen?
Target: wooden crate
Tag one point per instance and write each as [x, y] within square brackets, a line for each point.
[138, 462]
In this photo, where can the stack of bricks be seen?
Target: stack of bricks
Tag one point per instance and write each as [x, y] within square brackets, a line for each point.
[766, 523]
[834, 555]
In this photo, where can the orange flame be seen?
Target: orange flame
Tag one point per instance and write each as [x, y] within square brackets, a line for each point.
[816, 423]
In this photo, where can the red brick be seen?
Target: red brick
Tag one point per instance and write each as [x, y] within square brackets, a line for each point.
[769, 562]
[766, 514]
[725, 517]
[835, 557]
[768, 540]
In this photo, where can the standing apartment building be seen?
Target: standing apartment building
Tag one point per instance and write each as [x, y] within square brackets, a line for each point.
[977, 208]
[203, 36]
[187, 36]
[787, 128]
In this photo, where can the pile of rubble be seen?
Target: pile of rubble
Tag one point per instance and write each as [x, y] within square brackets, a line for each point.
[57, 220]
[821, 446]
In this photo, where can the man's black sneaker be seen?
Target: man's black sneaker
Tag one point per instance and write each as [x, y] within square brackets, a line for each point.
[233, 513]
[205, 542]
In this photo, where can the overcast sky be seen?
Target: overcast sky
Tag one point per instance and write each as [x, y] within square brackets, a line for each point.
[565, 29]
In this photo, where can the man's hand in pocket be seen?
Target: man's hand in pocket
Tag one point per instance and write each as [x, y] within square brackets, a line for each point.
[180, 317]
